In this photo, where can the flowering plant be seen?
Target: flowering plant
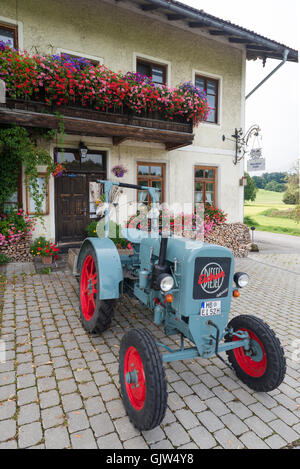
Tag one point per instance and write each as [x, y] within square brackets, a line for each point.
[58, 171]
[215, 215]
[44, 248]
[15, 226]
[119, 170]
[64, 80]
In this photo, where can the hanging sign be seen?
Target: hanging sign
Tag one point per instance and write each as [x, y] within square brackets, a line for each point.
[256, 162]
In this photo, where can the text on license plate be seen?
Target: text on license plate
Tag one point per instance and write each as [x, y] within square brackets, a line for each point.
[210, 308]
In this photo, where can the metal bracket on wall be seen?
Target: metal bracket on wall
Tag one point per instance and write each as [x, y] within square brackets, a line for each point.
[285, 57]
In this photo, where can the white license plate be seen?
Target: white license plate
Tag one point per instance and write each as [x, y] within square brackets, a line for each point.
[210, 308]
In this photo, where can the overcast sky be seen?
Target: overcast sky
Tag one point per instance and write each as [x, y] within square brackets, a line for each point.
[275, 106]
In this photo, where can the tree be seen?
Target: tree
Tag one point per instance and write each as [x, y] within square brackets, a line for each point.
[291, 195]
[275, 186]
[250, 190]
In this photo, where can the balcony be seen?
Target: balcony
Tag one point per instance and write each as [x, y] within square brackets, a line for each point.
[117, 123]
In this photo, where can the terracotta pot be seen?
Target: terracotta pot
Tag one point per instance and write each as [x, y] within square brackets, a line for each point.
[47, 259]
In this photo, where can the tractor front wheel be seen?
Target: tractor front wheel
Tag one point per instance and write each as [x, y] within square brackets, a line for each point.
[263, 367]
[95, 314]
[142, 379]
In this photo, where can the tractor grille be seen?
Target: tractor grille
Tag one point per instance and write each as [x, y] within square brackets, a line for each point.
[211, 279]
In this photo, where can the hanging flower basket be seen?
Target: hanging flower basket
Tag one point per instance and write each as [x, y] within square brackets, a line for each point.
[119, 170]
[58, 171]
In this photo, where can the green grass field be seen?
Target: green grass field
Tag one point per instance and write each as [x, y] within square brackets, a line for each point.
[266, 200]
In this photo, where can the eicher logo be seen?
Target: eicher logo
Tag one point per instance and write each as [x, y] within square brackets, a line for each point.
[211, 278]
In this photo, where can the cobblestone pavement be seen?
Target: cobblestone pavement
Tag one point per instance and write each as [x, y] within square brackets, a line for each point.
[59, 387]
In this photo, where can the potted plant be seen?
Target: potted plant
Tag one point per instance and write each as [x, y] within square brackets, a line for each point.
[44, 249]
[119, 170]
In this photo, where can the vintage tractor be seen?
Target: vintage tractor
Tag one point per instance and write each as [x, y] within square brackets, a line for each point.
[189, 286]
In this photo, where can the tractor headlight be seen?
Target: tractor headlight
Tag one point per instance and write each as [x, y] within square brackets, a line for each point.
[166, 283]
[241, 279]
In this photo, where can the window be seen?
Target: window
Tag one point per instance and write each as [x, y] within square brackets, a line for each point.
[71, 160]
[151, 175]
[31, 207]
[205, 185]
[157, 71]
[9, 35]
[211, 88]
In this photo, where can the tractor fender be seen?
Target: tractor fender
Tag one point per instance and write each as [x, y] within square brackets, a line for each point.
[109, 266]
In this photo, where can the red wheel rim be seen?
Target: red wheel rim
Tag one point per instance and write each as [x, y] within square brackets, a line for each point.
[88, 291]
[134, 376]
[252, 367]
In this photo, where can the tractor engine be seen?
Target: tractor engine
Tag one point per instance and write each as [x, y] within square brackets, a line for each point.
[187, 283]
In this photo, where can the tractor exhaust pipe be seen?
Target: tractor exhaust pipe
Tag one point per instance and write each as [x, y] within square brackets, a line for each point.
[163, 252]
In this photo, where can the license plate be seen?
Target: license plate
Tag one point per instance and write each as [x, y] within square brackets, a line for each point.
[210, 308]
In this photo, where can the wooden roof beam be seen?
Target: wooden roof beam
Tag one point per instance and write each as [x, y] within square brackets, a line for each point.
[175, 17]
[149, 7]
[238, 40]
[196, 24]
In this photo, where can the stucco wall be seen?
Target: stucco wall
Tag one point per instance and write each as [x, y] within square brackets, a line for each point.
[113, 33]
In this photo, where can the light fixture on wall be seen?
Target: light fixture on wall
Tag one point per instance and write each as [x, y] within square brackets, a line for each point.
[242, 142]
[83, 150]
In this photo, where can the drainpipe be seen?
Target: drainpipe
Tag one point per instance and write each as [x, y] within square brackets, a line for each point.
[285, 56]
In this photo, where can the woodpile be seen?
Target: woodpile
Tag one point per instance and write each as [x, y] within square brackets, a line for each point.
[19, 251]
[234, 236]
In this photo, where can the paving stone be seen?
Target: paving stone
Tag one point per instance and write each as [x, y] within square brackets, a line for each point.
[110, 441]
[227, 439]
[125, 428]
[95, 405]
[153, 436]
[49, 399]
[71, 402]
[30, 435]
[88, 390]
[234, 424]
[164, 444]
[8, 429]
[284, 414]
[203, 438]
[187, 418]
[284, 431]
[52, 417]
[252, 441]
[7, 410]
[102, 424]
[258, 426]
[136, 443]
[77, 420]
[67, 386]
[46, 384]
[217, 406]
[83, 440]
[28, 413]
[26, 396]
[262, 412]
[176, 434]
[182, 388]
[210, 421]
[275, 442]
[57, 438]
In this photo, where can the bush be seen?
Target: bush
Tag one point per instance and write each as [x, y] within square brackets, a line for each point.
[275, 186]
[114, 228]
[290, 198]
[250, 190]
[4, 259]
[14, 226]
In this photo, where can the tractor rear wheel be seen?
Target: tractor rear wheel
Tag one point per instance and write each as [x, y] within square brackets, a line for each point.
[95, 314]
[263, 367]
[142, 379]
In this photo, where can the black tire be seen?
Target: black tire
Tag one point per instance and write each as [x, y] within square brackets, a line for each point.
[274, 369]
[155, 402]
[104, 309]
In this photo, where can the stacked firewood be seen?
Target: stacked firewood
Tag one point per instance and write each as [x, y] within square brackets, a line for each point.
[235, 236]
[19, 251]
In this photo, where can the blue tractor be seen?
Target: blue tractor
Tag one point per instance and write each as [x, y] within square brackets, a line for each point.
[189, 286]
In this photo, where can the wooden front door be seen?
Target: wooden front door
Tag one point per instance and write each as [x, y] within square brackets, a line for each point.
[73, 210]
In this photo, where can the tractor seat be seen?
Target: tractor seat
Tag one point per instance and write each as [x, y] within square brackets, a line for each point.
[134, 236]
